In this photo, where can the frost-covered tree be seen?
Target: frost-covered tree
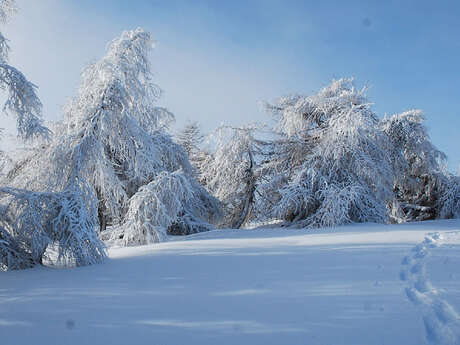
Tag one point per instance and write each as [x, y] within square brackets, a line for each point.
[12, 255]
[4, 163]
[113, 142]
[419, 174]
[449, 201]
[231, 173]
[35, 220]
[330, 165]
[190, 138]
[22, 101]
[335, 162]
[111, 125]
[170, 204]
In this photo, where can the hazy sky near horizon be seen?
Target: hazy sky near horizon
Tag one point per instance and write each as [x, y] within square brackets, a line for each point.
[217, 60]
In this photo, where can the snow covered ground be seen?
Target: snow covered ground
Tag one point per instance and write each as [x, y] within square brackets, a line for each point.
[359, 284]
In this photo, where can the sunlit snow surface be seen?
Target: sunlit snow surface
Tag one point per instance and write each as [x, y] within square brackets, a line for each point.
[359, 284]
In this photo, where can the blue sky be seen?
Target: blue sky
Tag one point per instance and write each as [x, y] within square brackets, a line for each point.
[216, 60]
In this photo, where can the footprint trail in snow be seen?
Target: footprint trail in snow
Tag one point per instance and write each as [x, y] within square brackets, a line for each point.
[441, 320]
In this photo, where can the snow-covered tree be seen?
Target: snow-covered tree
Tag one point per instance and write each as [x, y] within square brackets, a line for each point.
[449, 201]
[170, 204]
[231, 173]
[113, 142]
[22, 101]
[12, 255]
[330, 164]
[418, 167]
[4, 163]
[190, 138]
[34, 220]
[110, 125]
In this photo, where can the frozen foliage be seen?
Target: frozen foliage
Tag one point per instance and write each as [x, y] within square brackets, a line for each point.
[449, 203]
[109, 139]
[116, 132]
[7, 9]
[231, 173]
[74, 228]
[419, 175]
[127, 147]
[329, 161]
[330, 165]
[335, 162]
[17, 250]
[12, 255]
[172, 203]
[22, 101]
[33, 221]
[5, 162]
[112, 143]
[190, 138]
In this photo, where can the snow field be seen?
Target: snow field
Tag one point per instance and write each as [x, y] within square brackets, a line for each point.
[263, 286]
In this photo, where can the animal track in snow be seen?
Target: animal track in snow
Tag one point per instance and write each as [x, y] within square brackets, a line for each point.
[441, 321]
